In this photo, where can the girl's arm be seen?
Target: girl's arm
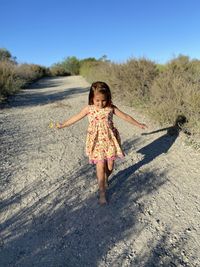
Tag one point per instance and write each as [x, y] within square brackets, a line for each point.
[128, 118]
[74, 118]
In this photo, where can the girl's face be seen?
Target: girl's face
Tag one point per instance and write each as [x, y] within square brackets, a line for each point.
[99, 100]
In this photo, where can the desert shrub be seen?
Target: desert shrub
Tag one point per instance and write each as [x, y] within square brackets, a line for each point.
[9, 80]
[25, 72]
[138, 78]
[167, 95]
[183, 66]
[14, 77]
[176, 91]
[94, 70]
[31, 72]
[160, 67]
[39, 71]
[58, 70]
[195, 64]
[87, 66]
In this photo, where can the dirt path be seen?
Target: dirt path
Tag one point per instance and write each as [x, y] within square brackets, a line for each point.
[49, 210]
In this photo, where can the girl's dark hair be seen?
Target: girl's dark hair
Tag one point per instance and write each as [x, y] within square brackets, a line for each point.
[100, 87]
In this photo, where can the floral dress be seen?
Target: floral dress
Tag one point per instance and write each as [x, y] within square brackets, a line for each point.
[103, 140]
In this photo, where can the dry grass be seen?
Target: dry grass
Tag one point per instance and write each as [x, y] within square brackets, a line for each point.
[9, 81]
[14, 77]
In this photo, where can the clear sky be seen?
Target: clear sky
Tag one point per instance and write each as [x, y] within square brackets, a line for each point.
[47, 31]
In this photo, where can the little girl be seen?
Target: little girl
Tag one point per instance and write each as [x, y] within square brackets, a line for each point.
[103, 143]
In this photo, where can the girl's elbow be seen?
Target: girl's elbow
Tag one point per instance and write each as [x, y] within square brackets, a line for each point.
[128, 118]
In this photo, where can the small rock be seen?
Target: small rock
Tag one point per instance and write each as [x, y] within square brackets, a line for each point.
[150, 212]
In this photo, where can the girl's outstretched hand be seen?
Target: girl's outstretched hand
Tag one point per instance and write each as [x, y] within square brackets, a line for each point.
[58, 125]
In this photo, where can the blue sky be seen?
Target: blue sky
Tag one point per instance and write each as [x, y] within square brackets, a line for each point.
[47, 31]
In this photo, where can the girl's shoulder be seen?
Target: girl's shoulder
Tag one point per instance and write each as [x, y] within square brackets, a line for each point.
[90, 109]
[85, 110]
[86, 107]
[113, 107]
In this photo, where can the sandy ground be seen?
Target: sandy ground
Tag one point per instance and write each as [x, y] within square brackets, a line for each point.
[49, 208]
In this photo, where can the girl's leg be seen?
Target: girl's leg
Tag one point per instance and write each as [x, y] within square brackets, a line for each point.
[100, 168]
[109, 165]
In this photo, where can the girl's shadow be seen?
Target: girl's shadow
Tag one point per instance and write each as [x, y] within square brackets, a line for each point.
[151, 151]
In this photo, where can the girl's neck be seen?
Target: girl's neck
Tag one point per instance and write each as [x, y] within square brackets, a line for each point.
[98, 109]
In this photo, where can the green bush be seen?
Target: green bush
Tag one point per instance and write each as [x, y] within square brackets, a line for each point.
[71, 65]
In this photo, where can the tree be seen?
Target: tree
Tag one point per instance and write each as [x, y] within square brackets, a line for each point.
[104, 58]
[5, 55]
[71, 64]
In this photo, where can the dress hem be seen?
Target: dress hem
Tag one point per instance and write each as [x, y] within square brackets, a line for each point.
[94, 161]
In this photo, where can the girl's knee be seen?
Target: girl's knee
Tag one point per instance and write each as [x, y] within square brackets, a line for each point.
[100, 171]
[100, 166]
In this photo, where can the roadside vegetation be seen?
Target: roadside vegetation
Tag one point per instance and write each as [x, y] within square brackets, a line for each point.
[164, 92]
[14, 76]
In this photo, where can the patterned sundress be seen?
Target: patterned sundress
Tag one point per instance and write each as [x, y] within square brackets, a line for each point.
[103, 140]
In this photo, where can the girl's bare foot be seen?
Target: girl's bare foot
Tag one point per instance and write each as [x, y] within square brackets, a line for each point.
[102, 198]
